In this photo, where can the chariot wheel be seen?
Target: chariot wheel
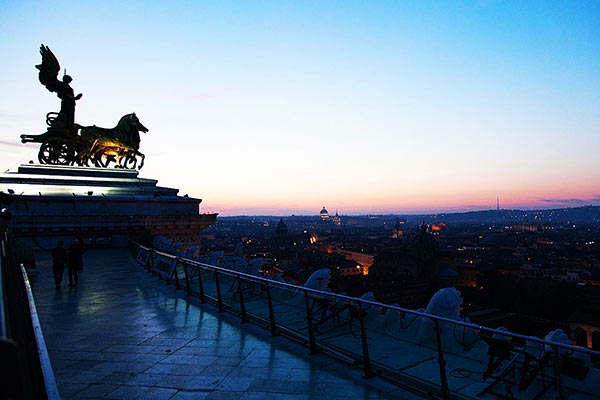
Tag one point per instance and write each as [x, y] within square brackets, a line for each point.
[56, 152]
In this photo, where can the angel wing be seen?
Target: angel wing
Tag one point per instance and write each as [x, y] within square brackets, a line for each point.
[49, 69]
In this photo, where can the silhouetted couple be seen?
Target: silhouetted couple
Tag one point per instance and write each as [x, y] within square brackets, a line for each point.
[72, 259]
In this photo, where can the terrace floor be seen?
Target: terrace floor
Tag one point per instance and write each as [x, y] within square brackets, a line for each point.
[124, 334]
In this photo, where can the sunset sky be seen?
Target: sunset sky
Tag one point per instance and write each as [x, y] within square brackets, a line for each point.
[283, 107]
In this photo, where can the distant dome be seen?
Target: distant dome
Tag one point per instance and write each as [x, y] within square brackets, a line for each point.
[324, 213]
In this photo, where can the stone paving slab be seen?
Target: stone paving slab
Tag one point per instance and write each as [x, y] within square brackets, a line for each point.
[124, 334]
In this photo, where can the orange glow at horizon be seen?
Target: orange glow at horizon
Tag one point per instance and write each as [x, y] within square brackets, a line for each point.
[356, 197]
[405, 205]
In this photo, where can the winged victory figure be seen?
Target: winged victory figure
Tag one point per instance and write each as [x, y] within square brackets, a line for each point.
[49, 69]
[68, 143]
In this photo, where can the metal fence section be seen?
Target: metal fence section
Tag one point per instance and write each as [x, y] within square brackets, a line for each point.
[430, 355]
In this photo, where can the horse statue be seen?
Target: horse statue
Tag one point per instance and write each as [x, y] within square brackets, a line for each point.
[119, 145]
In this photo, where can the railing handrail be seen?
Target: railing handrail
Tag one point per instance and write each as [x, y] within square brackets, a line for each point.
[27, 363]
[46, 366]
[350, 299]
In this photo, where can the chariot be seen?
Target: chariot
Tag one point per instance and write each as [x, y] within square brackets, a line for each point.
[58, 146]
[82, 144]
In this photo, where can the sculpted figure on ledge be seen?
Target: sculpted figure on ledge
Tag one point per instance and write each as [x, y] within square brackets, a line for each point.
[48, 76]
[68, 143]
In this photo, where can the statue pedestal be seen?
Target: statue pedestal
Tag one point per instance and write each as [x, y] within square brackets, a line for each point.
[49, 202]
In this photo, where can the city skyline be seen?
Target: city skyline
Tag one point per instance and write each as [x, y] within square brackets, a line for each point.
[280, 108]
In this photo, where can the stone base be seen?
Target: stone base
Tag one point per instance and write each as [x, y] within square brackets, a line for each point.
[98, 203]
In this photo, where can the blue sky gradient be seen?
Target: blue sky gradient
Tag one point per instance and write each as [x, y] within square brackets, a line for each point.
[281, 107]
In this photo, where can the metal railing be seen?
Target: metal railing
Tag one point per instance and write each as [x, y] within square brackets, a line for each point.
[25, 369]
[427, 354]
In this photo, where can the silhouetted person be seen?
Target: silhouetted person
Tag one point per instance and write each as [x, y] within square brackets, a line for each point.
[73, 264]
[59, 259]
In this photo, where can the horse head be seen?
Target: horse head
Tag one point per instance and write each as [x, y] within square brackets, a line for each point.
[129, 128]
[132, 121]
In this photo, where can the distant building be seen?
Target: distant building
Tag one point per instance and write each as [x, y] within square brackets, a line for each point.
[324, 214]
[467, 273]
[337, 221]
[529, 227]
[409, 275]
[281, 235]
[398, 230]
[437, 228]
[351, 271]
[585, 334]
[363, 261]
[281, 231]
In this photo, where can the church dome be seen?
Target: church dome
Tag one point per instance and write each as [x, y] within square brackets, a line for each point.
[324, 213]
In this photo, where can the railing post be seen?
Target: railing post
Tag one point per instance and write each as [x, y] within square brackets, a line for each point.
[272, 324]
[311, 335]
[150, 263]
[201, 285]
[177, 287]
[167, 277]
[187, 278]
[365, 345]
[441, 361]
[242, 303]
[557, 373]
[219, 297]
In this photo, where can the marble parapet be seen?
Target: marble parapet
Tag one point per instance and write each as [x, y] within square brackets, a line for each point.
[48, 200]
[78, 181]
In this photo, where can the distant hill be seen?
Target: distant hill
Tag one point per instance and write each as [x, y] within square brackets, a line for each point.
[588, 215]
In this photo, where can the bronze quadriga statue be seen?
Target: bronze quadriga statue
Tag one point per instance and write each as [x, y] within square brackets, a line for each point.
[67, 143]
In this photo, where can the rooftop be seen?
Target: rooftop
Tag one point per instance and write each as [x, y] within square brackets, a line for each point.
[124, 334]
